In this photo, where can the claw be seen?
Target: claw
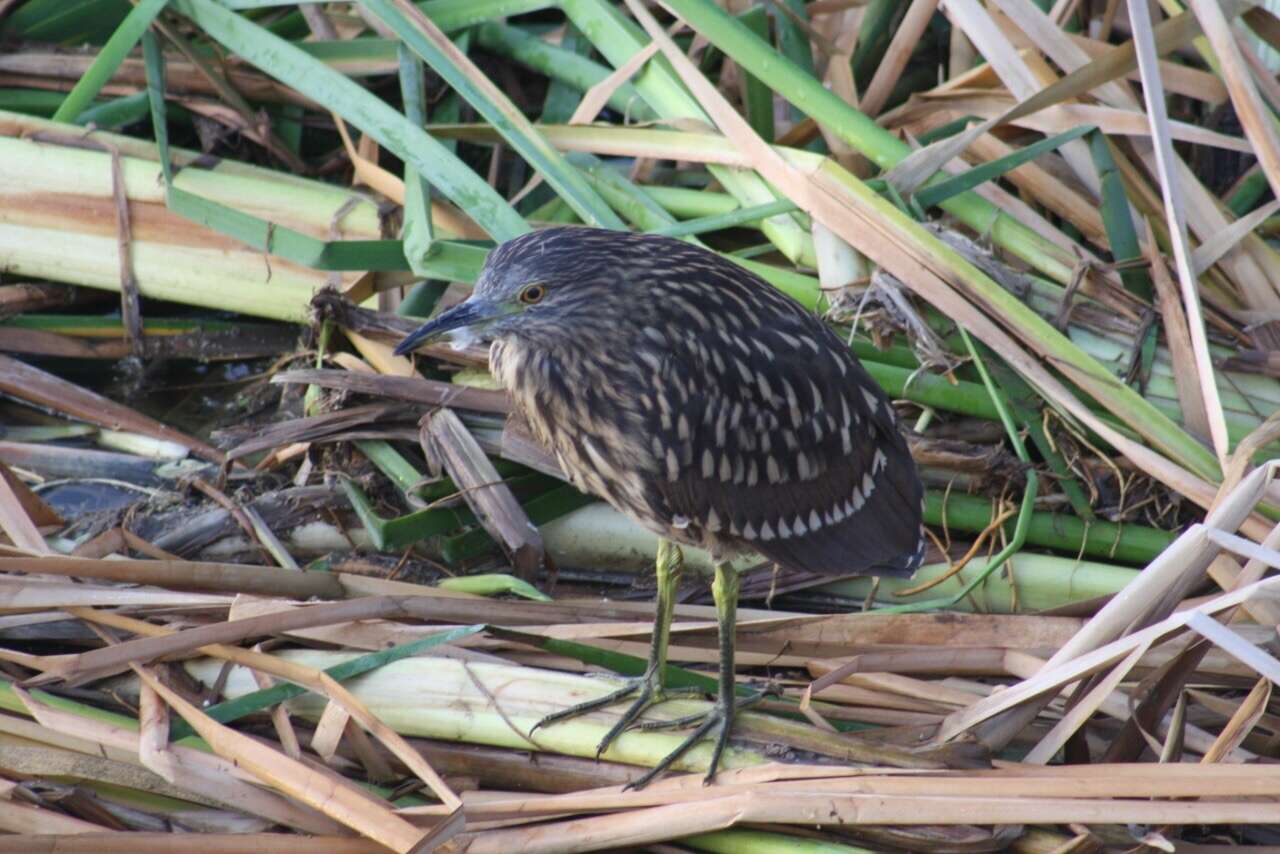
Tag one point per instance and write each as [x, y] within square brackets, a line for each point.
[690, 720]
[609, 699]
[651, 694]
[722, 740]
[648, 690]
[718, 718]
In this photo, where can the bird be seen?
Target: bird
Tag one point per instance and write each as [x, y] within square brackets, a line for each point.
[696, 398]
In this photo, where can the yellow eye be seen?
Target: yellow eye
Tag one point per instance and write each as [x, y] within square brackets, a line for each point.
[532, 294]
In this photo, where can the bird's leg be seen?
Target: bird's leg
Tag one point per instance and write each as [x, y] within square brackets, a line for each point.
[668, 567]
[720, 718]
[651, 687]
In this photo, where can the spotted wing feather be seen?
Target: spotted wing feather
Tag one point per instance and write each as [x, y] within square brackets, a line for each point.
[776, 439]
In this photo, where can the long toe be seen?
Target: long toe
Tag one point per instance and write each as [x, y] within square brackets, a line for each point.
[717, 723]
[651, 694]
[646, 698]
[720, 732]
[630, 686]
[696, 717]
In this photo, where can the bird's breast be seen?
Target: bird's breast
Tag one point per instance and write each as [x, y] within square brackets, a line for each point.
[576, 408]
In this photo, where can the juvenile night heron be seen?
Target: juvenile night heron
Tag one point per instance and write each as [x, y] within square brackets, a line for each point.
[691, 395]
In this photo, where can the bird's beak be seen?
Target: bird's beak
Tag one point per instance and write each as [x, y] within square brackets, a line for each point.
[463, 316]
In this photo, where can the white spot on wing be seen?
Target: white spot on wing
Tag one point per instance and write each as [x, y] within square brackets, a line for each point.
[793, 403]
[681, 388]
[872, 400]
[817, 396]
[766, 390]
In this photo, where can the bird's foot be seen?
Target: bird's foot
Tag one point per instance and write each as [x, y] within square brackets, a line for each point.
[716, 722]
[648, 691]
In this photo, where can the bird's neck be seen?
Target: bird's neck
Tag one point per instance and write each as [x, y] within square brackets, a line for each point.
[528, 361]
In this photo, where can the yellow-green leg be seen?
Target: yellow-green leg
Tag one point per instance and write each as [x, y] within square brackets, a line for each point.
[650, 688]
[719, 720]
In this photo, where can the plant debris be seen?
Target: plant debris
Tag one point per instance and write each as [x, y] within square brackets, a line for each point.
[264, 581]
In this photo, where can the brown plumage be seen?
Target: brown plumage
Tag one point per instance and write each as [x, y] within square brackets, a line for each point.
[693, 396]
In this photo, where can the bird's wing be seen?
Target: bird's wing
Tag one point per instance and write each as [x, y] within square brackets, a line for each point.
[778, 440]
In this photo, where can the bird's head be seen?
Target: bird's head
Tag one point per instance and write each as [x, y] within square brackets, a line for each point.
[535, 282]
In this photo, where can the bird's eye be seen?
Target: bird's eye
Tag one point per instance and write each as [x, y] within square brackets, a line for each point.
[532, 294]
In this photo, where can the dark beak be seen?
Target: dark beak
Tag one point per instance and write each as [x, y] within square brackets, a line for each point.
[462, 315]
